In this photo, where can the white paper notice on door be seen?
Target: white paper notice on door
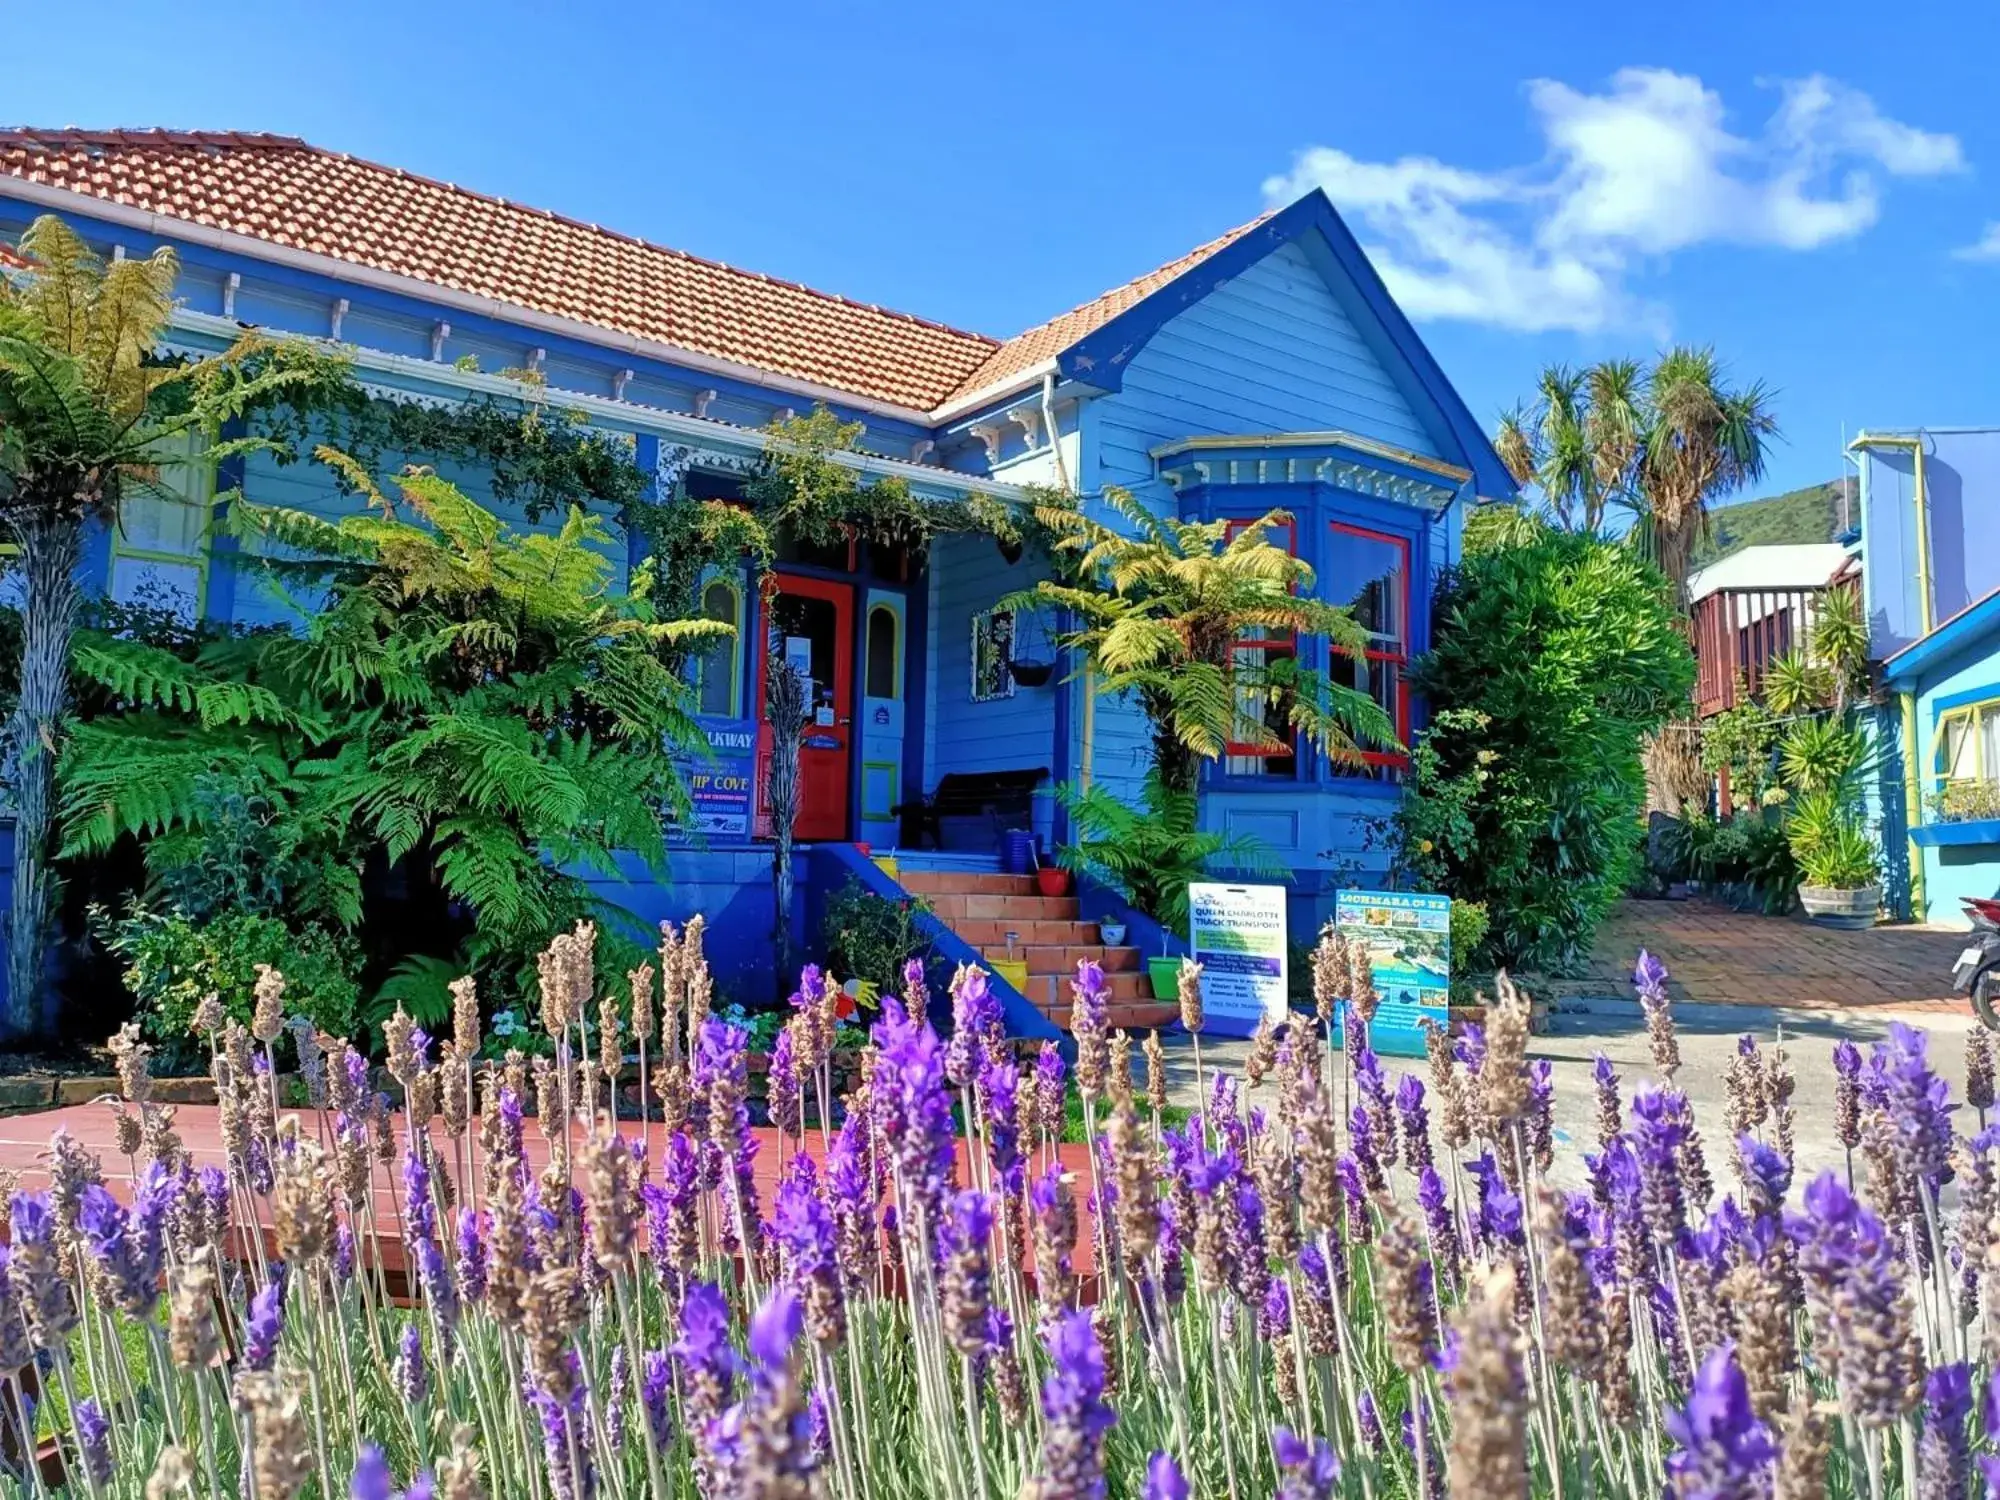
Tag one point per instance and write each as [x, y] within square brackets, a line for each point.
[799, 655]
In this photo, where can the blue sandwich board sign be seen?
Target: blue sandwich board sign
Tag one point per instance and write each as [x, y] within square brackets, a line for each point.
[1407, 937]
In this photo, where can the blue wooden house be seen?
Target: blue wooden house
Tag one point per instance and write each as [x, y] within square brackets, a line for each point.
[1266, 368]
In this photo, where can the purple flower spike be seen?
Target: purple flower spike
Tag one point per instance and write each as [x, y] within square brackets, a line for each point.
[1164, 1480]
[1306, 1471]
[412, 1379]
[1073, 1405]
[264, 1325]
[1649, 976]
[93, 1440]
[774, 1328]
[372, 1479]
[1944, 1458]
[1724, 1451]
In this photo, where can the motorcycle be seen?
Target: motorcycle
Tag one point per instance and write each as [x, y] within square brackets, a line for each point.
[1977, 972]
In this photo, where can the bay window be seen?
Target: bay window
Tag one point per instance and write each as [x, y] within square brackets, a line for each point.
[1368, 573]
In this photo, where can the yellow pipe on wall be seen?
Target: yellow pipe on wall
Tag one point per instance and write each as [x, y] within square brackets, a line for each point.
[1913, 806]
[1926, 613]
[1089, 728]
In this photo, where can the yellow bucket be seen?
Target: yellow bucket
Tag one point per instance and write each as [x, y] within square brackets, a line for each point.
[1013, 970]
[886, 863]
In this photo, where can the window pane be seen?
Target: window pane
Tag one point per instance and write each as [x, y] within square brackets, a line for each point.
[717, 666]
[1256, 706]
[1958, 763]
[1365, 574]
[882, 662]
[1989, 740]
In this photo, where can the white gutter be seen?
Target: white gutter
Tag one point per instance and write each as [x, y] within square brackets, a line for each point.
[675, 426]
[162, 226]
[1049, 426]
[1020, 380]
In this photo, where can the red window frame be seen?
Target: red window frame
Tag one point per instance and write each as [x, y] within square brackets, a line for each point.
[1399, 659]
[1285, 645]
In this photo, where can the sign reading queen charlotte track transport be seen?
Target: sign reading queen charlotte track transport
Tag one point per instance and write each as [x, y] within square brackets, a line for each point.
[1238, 936]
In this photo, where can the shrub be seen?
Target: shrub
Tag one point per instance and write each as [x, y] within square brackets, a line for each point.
[1151, 853]
[1552, 661]
[870, 937]
[173, 960]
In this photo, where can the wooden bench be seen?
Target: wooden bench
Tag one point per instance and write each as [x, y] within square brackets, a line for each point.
[1007, 797]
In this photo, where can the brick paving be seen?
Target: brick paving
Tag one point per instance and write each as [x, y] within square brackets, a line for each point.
[1716, 956]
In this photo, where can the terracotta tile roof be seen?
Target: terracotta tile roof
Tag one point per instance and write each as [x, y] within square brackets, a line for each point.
[284, 191]
[1026, 350]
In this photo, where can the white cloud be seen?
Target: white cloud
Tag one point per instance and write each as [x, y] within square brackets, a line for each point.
[1643, 169]
[1986, 247]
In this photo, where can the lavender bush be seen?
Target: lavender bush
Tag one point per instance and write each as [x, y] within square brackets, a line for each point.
[1336, 1282]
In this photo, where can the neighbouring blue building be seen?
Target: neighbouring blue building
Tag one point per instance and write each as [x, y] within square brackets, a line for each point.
[1930, 551]
[1267, 368]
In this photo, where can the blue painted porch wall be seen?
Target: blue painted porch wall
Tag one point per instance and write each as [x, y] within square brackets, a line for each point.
[1273, 351]
[967, 576]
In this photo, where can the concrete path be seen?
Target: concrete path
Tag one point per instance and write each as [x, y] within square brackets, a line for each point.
[1708, 1040]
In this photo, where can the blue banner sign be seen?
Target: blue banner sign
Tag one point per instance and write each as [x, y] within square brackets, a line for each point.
[1407, 937]
[723, 785]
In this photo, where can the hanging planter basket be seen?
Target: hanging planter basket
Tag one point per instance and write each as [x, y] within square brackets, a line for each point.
[1031, 674]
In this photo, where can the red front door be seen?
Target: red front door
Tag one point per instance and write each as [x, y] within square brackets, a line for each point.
[812, 626]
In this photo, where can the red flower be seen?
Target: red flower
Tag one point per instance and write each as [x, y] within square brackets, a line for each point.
[844, 1008]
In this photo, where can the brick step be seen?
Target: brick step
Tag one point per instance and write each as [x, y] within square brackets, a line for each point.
[1051, 992]
[988, 933]
[1130, 1015]
[964, 883]
[1063, 960]
[953, 909]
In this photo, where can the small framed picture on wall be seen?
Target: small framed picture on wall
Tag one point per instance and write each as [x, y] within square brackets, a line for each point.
[992, 649]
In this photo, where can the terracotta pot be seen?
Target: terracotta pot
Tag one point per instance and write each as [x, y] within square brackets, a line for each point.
[1052, 880]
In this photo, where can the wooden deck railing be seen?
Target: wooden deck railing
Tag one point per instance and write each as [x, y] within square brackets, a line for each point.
[1738, 633]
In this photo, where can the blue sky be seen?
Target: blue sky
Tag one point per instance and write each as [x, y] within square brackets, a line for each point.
[1813, 189]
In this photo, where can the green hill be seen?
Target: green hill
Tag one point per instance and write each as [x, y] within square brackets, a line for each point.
[1808, 515]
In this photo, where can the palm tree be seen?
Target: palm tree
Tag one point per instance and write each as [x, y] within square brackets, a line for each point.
[1165, 609]
[86, 408]
[1702, 441]
[1663, 443]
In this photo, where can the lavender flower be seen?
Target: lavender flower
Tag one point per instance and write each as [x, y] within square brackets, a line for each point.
[1944, 1459]
[93, 1440]
[808, 1243]
[1724, 1452]
[372, 1479]
[264, 1325]
[1371, 1422]
[1414, 1122]
[655, 1390]
[781, 1085]
[1609, 1111]
[1658, 1132]
[1847, 1093]
[1306, 1471]
[472, 1228]
[1854, 1280]
[1164, 1480]
[913, 1108]
[1650, 979]
[412, 1379]
[1917, 1105]
[1074, 1412]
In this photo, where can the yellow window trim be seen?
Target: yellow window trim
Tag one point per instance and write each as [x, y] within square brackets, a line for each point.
[736, 643]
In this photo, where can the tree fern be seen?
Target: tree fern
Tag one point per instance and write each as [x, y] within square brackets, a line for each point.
[471, 701]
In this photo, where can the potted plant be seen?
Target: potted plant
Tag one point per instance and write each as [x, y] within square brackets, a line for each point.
[1149, 855]
[1111, 934]
[1839, 868]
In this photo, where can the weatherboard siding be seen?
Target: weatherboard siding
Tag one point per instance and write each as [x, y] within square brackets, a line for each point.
[1271, 351]
[969, 575]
